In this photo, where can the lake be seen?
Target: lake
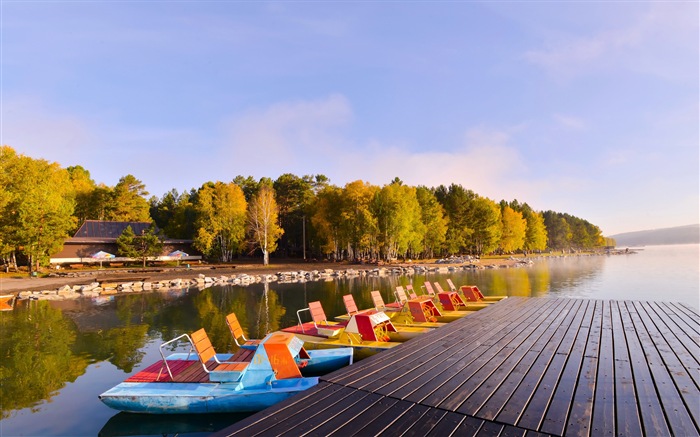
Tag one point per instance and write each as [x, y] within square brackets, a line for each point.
[57, 357]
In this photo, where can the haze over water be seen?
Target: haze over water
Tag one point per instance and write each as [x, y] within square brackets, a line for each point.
[81, 348]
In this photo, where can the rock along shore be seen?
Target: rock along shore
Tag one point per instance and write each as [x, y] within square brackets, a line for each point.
[90, 284]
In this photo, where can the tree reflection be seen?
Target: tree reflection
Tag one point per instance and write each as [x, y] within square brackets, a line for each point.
[258, 313]
[37, 359]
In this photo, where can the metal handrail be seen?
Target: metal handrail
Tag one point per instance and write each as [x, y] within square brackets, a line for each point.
[301, 325]
[172, 341]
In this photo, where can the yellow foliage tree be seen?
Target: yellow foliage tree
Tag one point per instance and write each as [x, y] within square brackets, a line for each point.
[263, 221]
[513, 231]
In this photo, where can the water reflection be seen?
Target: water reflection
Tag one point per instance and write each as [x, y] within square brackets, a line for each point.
[57, 356]
[127, 424]
[38, 356]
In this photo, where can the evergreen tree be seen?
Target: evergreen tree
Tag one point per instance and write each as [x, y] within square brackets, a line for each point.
[147, 245]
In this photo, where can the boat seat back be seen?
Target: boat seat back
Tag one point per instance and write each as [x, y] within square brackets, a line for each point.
[205, 350]
[401, 295]
[237, 332]
[451, 285]
[411, 293]
[350, 305]
[429, 289]
[235, 327]
[438, 287]
[377, 300]
[317, 313]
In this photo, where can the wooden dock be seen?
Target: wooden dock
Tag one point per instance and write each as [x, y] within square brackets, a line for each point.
[522, 367]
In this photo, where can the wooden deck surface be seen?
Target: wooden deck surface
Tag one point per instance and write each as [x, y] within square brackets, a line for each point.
[523, 366]
[184, 370]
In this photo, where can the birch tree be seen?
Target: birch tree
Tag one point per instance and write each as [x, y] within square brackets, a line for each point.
[263, 221]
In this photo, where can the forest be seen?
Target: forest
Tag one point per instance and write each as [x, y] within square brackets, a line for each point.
[42, 204]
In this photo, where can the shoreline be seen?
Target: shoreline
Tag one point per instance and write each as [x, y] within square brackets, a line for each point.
[244, 272]
[71, 284]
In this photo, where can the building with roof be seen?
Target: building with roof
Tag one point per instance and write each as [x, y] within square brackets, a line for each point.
[95, 236]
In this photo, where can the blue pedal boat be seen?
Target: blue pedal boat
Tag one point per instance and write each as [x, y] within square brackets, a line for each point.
[205, 382]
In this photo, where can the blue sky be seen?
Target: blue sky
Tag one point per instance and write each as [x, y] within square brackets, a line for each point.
[589, 108]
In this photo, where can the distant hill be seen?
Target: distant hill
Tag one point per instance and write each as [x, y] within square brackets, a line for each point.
[679, 235]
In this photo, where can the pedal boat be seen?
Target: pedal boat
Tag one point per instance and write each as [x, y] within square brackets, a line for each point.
[472, 293]
[366, 333]
[203, 381]
[423, 308]
[451, 300]
[399, 322]
[7, 302]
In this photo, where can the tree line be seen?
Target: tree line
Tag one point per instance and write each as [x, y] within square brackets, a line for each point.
[294, 216]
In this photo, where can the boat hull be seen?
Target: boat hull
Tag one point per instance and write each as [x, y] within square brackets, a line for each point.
[397, 322]
[197, 398]
[360, 350]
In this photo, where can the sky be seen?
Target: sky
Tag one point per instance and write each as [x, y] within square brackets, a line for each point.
[587, 108]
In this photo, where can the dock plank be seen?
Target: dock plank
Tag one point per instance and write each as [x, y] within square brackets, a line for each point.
[522, 367]
[603, 420]
[447, 426]
[504, 380]
[474, 395]
[455, 350]
[385, 420]
[444, 389]
[627, 419]
[652, 414]
[330, 417]
[534, 413]
[368, 416]
[511, 408]
[673, 385]
[581, 413]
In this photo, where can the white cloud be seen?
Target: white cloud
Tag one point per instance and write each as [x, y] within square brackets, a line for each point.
[287, 136]
[663, 42]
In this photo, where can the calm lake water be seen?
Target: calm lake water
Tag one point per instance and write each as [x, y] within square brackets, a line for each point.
[57, 357]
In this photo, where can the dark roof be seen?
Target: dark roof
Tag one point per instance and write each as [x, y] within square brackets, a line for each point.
[104, 229]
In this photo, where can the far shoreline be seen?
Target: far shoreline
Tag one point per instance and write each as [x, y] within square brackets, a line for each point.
[14, 283]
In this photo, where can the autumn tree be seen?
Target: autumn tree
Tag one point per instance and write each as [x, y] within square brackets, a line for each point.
[536, 233]
[513, 230]
[147, 245]
[83, 188]
[397, 214]
[263, 221]
[37, 206]
[358, 223]
[128, 201]
[221, 220]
